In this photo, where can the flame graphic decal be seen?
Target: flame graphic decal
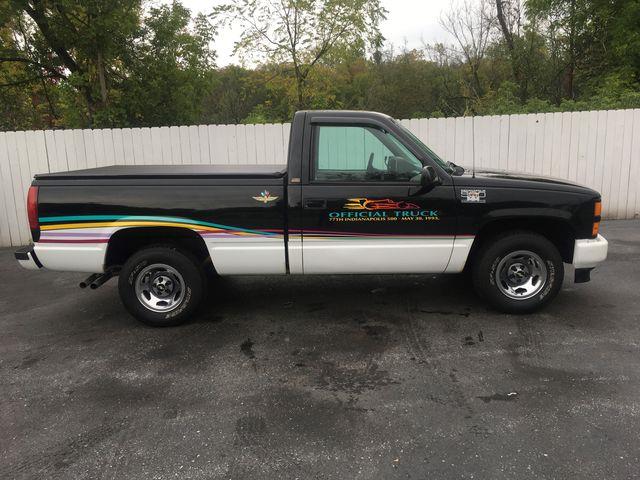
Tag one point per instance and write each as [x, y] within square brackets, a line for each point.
[385, 204]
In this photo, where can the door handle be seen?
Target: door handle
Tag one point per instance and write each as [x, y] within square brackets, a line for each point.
[315, 203]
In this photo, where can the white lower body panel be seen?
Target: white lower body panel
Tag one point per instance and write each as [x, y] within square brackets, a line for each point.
[88, 258]
[248, 256]
[460, 254]
[296, 262]
[376, 255]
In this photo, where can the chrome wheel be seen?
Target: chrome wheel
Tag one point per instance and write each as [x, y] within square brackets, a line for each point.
[521, 275]
[160, 288]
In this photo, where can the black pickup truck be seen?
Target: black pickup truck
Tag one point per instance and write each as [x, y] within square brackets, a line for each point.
[360, 195]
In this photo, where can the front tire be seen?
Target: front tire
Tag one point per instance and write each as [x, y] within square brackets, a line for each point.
[161, 286]
[519, 272]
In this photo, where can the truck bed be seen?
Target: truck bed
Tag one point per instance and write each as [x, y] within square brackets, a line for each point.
[170, 172]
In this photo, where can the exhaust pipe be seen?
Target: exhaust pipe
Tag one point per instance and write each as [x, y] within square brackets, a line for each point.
[102, 278]
[89, 280]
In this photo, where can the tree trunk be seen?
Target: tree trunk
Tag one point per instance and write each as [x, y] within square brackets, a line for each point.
[513, 56]
[300, 88]
[52, 112]
[508, 37]
[571, 67]
[101, 78]
[477, 87]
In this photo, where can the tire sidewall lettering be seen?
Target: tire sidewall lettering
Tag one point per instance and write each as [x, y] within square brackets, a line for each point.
[182, 306]
[550, 281]
[135, 271]
[492, 271]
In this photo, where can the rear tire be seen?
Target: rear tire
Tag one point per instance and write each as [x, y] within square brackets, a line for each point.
[161, 286]
[519, 272]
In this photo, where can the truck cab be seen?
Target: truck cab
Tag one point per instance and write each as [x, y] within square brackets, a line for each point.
[363, 197]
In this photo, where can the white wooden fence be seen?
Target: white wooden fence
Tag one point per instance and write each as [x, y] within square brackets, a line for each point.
[600, 149]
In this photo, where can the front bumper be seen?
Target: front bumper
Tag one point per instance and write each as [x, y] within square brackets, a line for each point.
[587, 253]
[27, 258]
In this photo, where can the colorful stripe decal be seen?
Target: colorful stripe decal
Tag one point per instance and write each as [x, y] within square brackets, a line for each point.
[79, 228]
[137, 220]
[77, 240]
[67, 226]
[328, 233]
[435, 239]
[56, 229]
[67, 234]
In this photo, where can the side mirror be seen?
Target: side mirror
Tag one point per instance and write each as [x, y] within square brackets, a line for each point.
[428, 176]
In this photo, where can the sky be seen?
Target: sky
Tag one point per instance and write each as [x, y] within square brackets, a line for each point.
[408, 22]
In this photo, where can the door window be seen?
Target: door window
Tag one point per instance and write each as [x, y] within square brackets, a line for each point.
[362, 154]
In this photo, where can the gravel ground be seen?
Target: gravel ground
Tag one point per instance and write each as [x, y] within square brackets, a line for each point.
[372, 377]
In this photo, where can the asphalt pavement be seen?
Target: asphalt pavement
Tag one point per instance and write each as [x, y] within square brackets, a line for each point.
[339, 377]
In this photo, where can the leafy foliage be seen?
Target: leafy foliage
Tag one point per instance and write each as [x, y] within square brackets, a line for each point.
[90, 63]
[301, 33]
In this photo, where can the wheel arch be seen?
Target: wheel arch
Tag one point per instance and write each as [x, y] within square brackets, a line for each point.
[125, 242]
[556, 229]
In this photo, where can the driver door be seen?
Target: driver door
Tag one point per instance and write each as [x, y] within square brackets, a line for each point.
[363, 210]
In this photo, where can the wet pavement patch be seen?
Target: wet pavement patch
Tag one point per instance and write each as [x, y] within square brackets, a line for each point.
[249, 429]
[445, 312]
[352, 379]
[376, 330]
[247, 348]
[499, 397]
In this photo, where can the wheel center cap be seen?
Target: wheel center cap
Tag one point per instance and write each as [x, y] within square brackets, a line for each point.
[162, 285]
[518, 273]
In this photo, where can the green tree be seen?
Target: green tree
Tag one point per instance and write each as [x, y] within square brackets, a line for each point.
[232, 95]
[301, 33]
[588, 40]
[169, 69]
[27, 99]
[79, 63]
[80, 42]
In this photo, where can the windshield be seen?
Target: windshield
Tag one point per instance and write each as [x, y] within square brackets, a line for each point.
[429, 152]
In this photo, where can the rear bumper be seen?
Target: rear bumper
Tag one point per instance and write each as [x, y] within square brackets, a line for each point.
[27, 258]
[587, 253]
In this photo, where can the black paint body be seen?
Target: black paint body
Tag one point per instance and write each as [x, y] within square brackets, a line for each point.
[224, 194]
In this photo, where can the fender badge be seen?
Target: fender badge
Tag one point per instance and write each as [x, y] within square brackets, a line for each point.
[265, 197]
[473, 196]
